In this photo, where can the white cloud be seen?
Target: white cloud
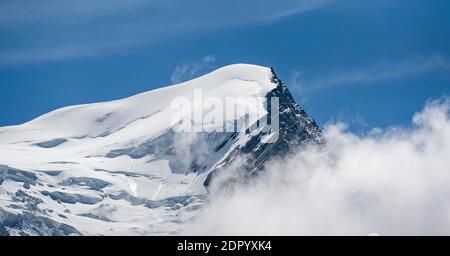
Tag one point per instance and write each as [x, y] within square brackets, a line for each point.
[41, 26]
[67, 51]
[390, 182]
[380, 71]
[189, 70]
[296, 84]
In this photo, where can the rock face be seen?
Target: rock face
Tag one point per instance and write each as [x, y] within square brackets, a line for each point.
[296, 128]
[119, 168]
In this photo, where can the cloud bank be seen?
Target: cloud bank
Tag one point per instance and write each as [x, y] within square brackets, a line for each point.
[394, 181]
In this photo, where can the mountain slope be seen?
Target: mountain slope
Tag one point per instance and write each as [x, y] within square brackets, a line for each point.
[120, 167]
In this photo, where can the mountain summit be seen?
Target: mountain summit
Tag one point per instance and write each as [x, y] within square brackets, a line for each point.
[122, 167]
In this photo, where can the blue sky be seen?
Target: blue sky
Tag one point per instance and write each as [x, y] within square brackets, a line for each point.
[370, 63]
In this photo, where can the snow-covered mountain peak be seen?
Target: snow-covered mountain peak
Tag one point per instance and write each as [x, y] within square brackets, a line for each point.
[100, 119]
[249, 72]
[119, 167]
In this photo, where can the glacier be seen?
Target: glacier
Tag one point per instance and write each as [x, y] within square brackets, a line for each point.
[119, 168]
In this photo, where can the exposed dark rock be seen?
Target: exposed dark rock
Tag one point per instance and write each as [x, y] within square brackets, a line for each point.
[52, 173]
[178, 201]
[202, 151]
[31, 223]
[296, 129]
[9, 173]
[92, 183]
[51, 143]
[70, 198]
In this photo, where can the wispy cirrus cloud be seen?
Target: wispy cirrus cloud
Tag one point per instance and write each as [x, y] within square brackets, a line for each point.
[35, 31]
[188, 70]
[378, 71]
[296, 84]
